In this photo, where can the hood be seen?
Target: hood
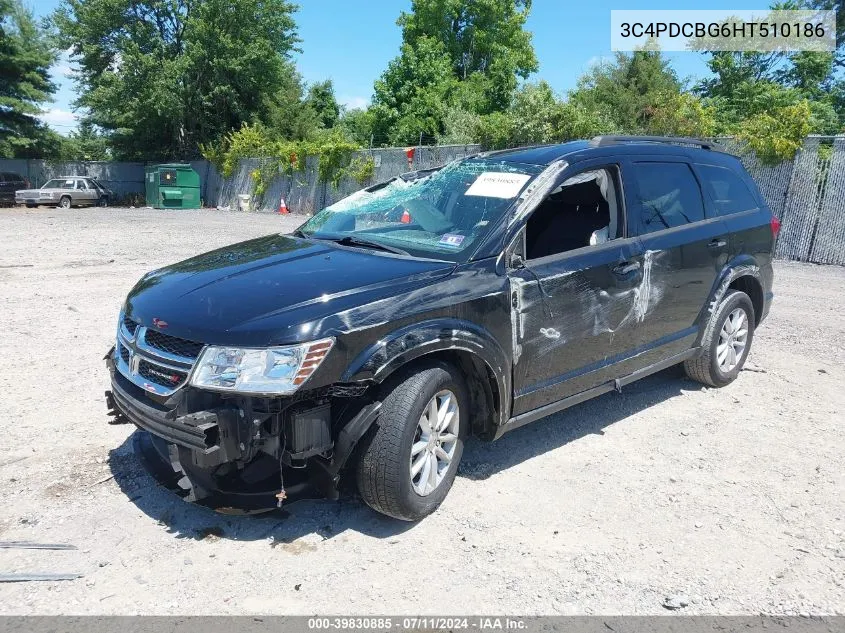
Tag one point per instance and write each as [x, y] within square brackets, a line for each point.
[257, 292]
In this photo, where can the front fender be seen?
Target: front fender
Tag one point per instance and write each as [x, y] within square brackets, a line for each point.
[385, 356]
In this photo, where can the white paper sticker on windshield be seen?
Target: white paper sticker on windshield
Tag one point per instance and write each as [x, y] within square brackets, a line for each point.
[497, 184]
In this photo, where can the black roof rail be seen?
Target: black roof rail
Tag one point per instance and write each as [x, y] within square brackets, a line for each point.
[604, 141]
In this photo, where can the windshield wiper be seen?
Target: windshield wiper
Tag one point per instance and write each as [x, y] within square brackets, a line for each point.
[354, 240]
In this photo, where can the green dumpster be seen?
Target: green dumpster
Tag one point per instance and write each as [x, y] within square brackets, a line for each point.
[173, 186]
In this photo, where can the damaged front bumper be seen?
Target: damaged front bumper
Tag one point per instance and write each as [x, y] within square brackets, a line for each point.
[245, 451]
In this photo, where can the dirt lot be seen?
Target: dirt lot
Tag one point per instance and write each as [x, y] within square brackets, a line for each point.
[731, 499]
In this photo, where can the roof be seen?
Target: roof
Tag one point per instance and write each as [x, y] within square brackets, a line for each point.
[539, 154]
[546, 154]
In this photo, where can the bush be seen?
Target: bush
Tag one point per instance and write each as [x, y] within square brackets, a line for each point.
[332, 149]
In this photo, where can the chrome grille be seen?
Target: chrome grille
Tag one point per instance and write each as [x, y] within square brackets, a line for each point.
[172, 344]
[130, 325]
[154, 361]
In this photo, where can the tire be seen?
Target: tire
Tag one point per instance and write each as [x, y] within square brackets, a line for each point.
[707, 368]
[65, 202]
[103, 202]
[383, 469]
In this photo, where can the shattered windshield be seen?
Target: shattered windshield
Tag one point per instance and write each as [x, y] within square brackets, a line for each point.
[443, 215]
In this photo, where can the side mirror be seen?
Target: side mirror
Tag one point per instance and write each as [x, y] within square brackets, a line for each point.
[517, 261]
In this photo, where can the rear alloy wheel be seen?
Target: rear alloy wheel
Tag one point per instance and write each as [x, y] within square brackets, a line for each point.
[408, 460]
[726, 342]
[64, 203]
[733, 339]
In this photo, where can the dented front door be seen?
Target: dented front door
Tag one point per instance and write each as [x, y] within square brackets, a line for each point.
[570, 314]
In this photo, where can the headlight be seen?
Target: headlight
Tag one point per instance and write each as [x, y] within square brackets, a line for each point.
[271, 370]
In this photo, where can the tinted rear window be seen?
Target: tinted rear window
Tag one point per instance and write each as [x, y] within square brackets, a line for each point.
[669, 196]
[728, 191]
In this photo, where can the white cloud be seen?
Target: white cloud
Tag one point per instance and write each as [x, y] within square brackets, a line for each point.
[598, 60]
[351, 103]
[63, 67]
[62, 70]
[60, 120]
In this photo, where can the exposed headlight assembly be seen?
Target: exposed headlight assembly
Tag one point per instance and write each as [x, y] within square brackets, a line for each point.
[270, 370]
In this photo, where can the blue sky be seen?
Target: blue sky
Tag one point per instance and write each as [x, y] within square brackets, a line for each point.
[351, 42]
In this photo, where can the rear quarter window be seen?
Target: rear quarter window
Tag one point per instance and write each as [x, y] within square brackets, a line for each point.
[669, 196]
[729, 192]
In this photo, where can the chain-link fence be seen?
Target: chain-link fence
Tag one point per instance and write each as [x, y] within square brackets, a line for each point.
[807, 193]
[304, 193]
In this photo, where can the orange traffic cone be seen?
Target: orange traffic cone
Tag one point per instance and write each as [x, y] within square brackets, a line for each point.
[283, 208]
[406, 217]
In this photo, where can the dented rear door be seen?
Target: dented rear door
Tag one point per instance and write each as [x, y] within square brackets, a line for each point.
[684, 250]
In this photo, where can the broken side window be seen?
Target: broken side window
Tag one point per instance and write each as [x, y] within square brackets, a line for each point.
[582, 211]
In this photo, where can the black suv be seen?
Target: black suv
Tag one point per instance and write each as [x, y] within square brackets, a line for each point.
[470, 299]
[9, 184]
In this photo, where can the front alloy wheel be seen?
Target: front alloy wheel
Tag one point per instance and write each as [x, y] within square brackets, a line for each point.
[435, 442]
[409, 458]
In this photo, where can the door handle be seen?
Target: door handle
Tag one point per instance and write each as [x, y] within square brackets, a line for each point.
[717, 243]
[625, 267]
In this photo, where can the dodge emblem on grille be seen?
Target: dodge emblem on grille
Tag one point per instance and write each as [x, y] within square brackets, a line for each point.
[159, 323]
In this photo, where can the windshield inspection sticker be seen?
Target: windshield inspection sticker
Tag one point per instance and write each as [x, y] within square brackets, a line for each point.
[497, 184]
[451, 239]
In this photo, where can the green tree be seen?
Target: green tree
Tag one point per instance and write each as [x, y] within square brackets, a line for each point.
[85, 143]
[777, 135]
[160, 77]
[468, 54]
[25, 60]
[749, 88]
[536, 115]
[461, 127]
[485, 37]
[322, 101]
[632, 92]
[357, 125]
[412, 95]
[834, 5]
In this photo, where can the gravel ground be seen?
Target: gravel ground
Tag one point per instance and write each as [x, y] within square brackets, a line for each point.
[729, 500]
